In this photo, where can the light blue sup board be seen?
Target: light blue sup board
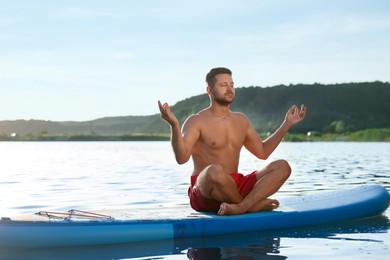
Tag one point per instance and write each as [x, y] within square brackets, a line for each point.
[300, 211]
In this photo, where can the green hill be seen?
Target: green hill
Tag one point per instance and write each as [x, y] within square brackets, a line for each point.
[335, 108]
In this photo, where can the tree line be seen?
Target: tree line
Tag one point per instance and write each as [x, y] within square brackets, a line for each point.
[332, 108]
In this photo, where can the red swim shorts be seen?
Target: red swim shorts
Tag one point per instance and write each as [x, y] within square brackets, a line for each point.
[198, 202]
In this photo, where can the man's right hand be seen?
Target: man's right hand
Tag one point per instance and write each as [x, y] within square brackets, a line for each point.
[167, 115]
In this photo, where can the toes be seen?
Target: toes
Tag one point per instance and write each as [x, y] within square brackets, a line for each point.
[221, 210]
[275, 204]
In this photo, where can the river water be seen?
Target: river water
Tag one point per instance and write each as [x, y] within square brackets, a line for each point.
[142, 179]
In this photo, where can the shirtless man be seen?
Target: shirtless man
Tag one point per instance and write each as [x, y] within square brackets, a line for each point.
[214, 138]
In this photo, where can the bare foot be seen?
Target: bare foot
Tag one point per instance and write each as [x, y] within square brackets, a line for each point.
[235, 209]
[265, 205]
[229, 209]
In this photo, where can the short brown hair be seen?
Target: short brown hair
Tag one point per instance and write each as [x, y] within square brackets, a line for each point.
[210, 77]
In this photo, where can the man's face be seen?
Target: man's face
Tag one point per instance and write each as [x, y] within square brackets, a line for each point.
[223, 90]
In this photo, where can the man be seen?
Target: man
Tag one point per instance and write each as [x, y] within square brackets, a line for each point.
[214, 137]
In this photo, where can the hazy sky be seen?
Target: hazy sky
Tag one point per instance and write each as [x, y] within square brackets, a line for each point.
[87, 59]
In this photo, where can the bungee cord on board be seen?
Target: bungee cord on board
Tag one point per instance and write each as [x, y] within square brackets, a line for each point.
[73, 214]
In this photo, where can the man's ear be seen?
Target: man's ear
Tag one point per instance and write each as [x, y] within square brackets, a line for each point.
[208, 89]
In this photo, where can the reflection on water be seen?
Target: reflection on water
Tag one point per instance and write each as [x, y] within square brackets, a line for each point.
[266, 248]
[140, 178]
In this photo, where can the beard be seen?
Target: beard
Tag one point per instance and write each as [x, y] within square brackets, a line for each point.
[222, 100]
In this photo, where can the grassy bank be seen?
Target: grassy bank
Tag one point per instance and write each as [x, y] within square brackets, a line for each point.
[88, 137]
[369, 135]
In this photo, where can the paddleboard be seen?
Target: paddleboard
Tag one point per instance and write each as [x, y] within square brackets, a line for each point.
[299, 211]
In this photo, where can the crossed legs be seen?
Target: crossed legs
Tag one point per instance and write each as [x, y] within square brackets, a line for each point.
[214, 183]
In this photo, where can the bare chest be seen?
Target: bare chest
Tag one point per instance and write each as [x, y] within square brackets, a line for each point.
[223, 133]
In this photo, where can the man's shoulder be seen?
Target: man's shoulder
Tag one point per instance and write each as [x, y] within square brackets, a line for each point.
[201, 117]
[205, 113]
[194, 118]
[240, 116]
[202, 113]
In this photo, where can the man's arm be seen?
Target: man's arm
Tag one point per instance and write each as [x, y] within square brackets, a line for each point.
[263, 149]
[181, 144]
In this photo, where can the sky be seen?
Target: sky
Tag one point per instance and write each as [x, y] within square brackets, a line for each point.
[86, 59]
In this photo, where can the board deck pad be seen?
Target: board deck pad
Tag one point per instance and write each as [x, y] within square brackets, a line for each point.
[295, 211]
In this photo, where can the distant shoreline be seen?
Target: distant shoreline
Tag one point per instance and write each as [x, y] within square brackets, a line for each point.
[87, 138]
[369, 135]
